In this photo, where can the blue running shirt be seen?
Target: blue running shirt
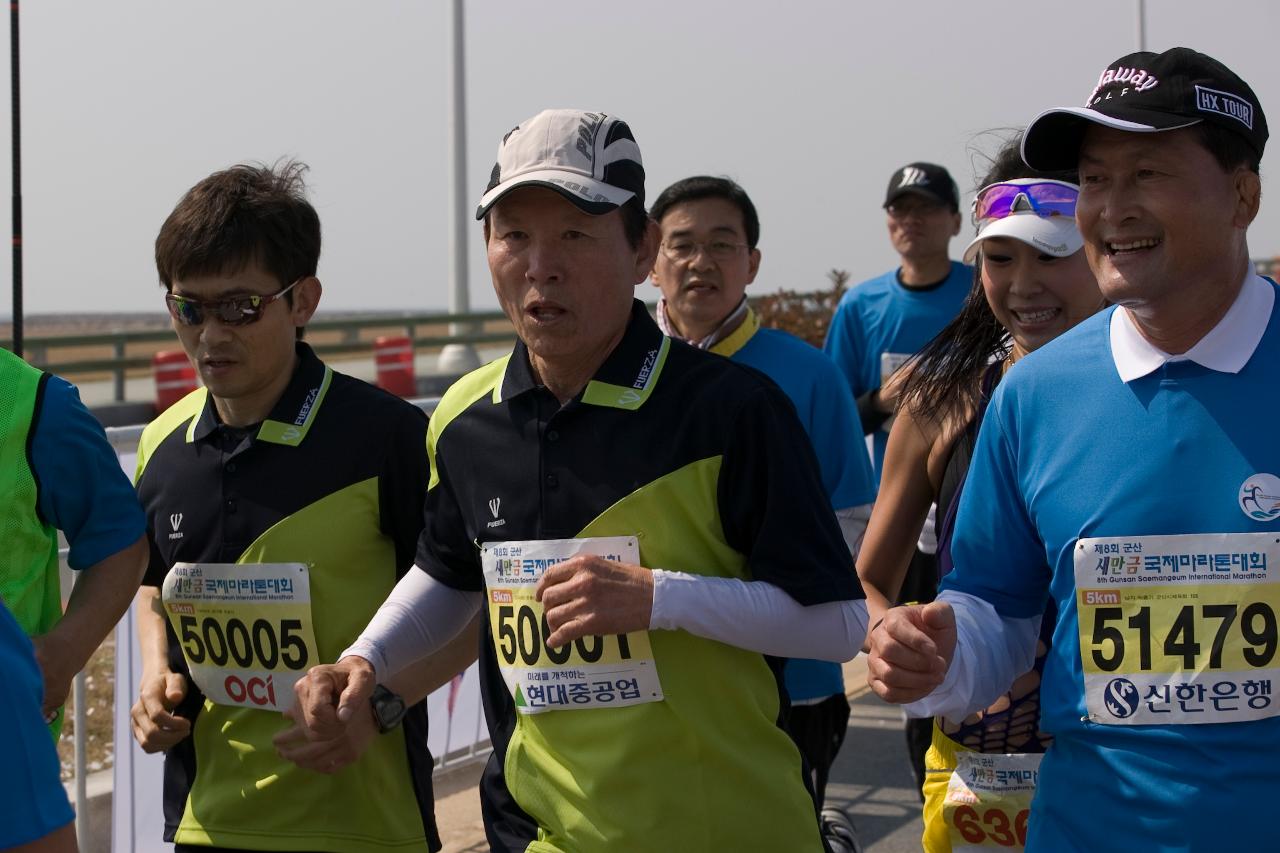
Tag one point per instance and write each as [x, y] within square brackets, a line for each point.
[880, 322]
[1160, 497]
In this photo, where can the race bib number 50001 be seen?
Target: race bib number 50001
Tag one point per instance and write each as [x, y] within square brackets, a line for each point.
[1179, 629]
[591, 672]
[245, 630]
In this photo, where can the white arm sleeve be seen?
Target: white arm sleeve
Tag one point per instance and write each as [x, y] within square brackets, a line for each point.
[757, 616]
[853, 525]
[418, 618]
[991, 651]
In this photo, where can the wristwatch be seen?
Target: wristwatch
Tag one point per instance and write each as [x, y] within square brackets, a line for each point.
[388, 708]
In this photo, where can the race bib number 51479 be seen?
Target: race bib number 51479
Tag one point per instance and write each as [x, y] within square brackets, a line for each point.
[1179, 629]
[592, 672]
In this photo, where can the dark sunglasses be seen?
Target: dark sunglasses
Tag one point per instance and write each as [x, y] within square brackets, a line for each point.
[1045, 197]
[235, 311]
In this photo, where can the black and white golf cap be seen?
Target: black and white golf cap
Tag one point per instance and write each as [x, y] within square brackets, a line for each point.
[1149, 92]
[925, 179]
[590, 158]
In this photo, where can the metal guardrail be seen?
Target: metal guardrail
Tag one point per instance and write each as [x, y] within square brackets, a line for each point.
[39, 348]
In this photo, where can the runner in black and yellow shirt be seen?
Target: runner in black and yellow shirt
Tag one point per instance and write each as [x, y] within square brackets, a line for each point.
[645, 526]
[283, 502]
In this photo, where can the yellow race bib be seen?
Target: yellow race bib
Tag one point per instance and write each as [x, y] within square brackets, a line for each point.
[245, 629]
[1178, 629]
[989, 800]
[591, 672]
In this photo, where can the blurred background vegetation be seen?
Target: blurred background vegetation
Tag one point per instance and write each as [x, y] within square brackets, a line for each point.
[805, 315]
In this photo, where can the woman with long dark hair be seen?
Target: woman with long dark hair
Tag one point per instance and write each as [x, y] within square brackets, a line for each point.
[1031, 284]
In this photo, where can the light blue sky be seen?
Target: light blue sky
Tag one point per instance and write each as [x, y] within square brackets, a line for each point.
[809, 104]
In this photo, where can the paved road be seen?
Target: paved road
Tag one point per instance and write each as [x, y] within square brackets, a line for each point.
[870, 781]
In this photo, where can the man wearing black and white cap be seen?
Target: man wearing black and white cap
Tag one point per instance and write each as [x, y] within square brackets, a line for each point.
[644, 526]
[1138, 454]
[882, 322]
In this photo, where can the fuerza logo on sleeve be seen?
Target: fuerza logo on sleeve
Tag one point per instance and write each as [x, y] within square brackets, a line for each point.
[1260, 497]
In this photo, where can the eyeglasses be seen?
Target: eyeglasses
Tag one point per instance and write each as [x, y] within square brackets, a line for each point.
[235, 311]
[1044, 198]
[685, 250]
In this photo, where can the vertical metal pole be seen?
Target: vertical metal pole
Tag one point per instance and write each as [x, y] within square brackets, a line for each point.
[79, 698]
[458, 357]
[1142, 24]
[448, 737]
[67, 580]
[460, 298]
[119, 377]
[15, 102]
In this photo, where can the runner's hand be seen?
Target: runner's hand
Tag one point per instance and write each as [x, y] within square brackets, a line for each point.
[325, 756]
[155, 728]
[911, 649]
[331, 694]
[588, 595]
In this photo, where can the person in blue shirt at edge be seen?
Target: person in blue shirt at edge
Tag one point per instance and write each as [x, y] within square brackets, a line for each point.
[35, 816]
[1133, 466]
[1034, 283]
[882, 322]
[58, 472]
[707, 256]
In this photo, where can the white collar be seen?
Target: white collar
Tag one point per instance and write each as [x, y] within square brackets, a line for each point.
[1227, 347]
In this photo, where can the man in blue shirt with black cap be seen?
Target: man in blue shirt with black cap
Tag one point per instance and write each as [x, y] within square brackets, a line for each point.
[1135, 454]
[882, 322]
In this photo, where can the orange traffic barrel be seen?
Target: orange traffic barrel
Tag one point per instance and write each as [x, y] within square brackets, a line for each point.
[175, 377]
[393, 355]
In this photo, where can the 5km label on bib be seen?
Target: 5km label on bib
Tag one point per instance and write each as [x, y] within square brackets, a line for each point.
[591, 672]
[1179, 629]
[245, 630]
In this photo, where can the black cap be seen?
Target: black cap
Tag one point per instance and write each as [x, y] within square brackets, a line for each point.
[1147, 93]
[926, 179]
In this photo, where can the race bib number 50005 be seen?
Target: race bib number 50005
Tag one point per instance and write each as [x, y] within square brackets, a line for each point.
[1179, 629]
[245, 630]
[591, 672]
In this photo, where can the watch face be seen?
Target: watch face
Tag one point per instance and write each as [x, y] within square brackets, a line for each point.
[388, 708]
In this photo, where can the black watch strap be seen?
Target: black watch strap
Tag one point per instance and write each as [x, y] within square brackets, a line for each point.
[388, 708]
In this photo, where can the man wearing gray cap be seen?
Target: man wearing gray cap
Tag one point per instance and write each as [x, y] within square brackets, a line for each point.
[1137, 453]
[643, 525]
